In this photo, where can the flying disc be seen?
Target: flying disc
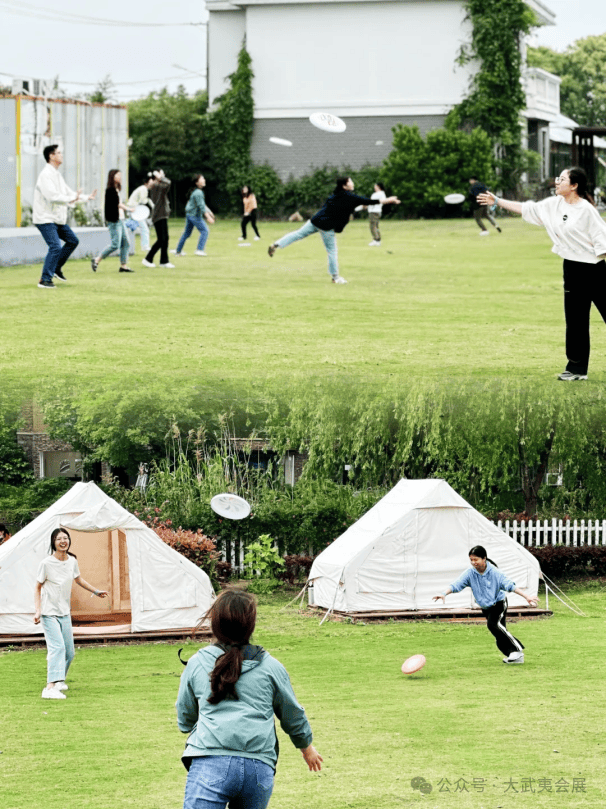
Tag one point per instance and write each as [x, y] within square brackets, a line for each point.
[454, 199]
[327, 122]
[413, 664]
[230, 506]
[140, 213]
[281, 141]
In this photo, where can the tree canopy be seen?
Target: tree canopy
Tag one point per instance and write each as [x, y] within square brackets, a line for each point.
[582, 68]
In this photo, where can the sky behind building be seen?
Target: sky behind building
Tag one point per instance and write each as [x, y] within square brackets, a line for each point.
[142, 53]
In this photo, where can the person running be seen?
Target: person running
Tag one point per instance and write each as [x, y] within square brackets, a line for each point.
[331, 219]
[195, 209]
[489, 585]
[160, 212]
[250, 213]
[374, 214]
[52, 600]
[578, 233]
[140, 196]
[52, 196]
[114, 218]
[228, 696]
[480, 210]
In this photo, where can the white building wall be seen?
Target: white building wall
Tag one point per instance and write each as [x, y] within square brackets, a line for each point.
[357, 58]
[226, 32]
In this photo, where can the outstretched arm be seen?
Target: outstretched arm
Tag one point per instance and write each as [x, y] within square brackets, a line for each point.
[443, 595]
[84, 584]
[532, 600]
[488, 198]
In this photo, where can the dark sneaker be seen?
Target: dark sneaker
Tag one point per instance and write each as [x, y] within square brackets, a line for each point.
[271, 249]
[499, 229]
[46, 284]
[59, 274]
[93, 265]
[125, 269]
[568, 376]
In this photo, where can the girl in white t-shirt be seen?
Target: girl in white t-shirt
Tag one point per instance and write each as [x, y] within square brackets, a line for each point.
[578, 233]
[374, 214]
[52, 599]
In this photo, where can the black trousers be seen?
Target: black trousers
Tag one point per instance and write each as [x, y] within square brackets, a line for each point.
[252, 218]
[496, 619]
[161, 242]
[584, 284]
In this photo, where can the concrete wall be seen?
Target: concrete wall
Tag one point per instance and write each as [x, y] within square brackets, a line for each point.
[367, 140]
[26, 245]
[226, 32]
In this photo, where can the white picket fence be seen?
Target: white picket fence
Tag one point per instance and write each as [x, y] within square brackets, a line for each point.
[536, 533]
[531, 534]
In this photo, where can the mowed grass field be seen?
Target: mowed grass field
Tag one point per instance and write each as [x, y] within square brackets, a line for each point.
[481, 733]
[435, 301]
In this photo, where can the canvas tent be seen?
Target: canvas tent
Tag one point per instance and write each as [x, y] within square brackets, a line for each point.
[151, 586]
[410, 546]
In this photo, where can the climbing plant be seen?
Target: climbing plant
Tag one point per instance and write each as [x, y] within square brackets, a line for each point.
[496, 95]
[230, 130]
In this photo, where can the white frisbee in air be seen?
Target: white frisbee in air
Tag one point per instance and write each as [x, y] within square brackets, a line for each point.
[454, 199]
[230, 506]
[327, 122]
[140, 213]
[280, 141]
[413, 664]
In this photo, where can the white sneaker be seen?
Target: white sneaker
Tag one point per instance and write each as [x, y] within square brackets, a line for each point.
[374, 243]
[182, 253]
[240, 238]
[62, 686]
[484, 233]
[169, 265]
[514, 657]
[52, 693]
[339, 280]
[147, 263]
[199, 253]
[257, 238]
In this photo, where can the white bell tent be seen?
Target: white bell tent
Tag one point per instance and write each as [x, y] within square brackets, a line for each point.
[409, 547]
[151, 586]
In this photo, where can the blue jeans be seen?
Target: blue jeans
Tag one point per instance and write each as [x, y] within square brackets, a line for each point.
[190, 224]
[57, 254]
[117, 230]
[143, 229]
[60, 645]
[328, 237]
[215, 781]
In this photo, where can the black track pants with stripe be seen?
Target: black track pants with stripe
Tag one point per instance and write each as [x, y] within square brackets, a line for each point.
[496, 618]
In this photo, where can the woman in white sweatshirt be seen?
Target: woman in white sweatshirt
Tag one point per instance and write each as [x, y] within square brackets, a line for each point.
[578, 233]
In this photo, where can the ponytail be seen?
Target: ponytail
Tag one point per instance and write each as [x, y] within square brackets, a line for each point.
[232, 618]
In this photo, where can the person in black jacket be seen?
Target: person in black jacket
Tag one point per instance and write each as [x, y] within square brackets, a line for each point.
[331, 219]
[114, 217]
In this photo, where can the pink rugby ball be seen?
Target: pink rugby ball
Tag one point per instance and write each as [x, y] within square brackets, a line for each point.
[413, 664]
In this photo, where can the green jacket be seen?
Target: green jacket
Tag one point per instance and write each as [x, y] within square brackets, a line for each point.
[243, 727]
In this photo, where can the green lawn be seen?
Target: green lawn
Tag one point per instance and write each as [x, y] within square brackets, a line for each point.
[436, 301]
[114, 742]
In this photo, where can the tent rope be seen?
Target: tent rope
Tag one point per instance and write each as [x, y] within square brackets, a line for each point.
[302, 594]
[574, 608]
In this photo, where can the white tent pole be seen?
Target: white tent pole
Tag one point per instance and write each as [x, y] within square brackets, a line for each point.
[296, 597]
[332, 605]
[546, 594]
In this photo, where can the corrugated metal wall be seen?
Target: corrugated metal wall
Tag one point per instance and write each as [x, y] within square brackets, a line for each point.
[94, 139]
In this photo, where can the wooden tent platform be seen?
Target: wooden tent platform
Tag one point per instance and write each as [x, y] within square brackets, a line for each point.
[109, 632]
[454, 615]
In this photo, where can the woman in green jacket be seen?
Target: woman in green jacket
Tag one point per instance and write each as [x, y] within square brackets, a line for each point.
[228, 696]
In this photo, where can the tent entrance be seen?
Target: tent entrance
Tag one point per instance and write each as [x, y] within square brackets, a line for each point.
[103, 562]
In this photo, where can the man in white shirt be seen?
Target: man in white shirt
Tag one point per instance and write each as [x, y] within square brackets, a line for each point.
[52, 196]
